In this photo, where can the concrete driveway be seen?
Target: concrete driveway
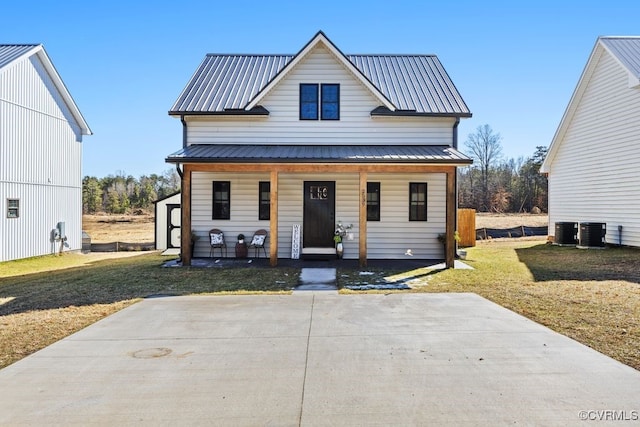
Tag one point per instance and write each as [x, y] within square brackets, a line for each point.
[318, 358]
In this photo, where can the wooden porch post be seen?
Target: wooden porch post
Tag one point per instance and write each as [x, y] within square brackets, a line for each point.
[185, 213]
[450, 245]
[362, 226]
[273, 223]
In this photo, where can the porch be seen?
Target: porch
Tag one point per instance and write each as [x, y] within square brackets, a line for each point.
[277, 166]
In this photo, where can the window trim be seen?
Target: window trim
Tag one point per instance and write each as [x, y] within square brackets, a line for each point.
[371, 188]
[264, 187]
[317, 101]
[227, 201]
[323, 102]
[13, 208]
[413, 213]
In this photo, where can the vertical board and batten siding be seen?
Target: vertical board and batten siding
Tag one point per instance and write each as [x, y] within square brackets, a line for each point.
[594, 176]
[388, 238]
[40, 162]
[356, 126]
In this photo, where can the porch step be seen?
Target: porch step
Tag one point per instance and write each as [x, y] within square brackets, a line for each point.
[317, 279]
[318, 253]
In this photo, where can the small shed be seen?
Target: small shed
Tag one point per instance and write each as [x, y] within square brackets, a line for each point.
[167, 216]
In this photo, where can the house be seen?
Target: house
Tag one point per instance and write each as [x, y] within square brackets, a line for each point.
[167, 222]
[41, 132]
[593, 160]
[304, 142]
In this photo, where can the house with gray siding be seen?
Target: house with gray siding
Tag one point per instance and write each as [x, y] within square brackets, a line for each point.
[593, 160]
[316, 139]
[41, 132]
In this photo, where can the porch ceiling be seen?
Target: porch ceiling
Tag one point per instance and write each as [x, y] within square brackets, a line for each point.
[243, 153]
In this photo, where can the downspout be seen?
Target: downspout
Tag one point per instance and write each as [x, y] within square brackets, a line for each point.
[184, 132]
[185, 260]
[454, 138]
[455, 133]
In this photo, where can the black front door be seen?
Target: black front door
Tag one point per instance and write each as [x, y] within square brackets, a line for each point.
[319, 214]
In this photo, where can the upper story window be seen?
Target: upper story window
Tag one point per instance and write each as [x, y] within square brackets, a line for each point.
[319, 101]
[330, 100]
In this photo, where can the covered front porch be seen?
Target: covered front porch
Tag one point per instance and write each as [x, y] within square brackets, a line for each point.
[331, 164]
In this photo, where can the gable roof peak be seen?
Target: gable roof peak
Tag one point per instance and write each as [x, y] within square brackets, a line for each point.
[318, 38]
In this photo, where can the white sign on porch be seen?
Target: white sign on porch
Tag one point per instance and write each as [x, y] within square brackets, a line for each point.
[295, 242]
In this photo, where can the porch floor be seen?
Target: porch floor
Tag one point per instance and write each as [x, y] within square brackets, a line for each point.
[404, 264]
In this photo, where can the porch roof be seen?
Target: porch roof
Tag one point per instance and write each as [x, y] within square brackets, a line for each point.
[244, 153]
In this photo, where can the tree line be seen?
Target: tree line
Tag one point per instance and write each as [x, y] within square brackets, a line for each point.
[496, 184]
[491, 184]
[120, 193]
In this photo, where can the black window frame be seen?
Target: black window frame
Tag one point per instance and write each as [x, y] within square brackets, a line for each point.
[373, 205]
[304, 102]
[264, 200]
[324, 102]
[415, 204]
[11, 208]
[218, 204]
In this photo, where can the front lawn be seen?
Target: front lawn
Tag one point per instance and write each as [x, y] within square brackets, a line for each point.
[592, 296]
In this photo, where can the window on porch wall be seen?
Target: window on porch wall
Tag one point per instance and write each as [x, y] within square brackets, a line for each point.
[264, 202]
[373, 201]
[221, 200]
[418, 201]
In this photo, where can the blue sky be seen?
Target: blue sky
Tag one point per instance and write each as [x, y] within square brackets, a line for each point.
[516, 64]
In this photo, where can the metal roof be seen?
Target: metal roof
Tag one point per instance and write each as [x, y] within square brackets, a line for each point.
[242, 153]
[412, 83]
[11, 52]
[626, 50]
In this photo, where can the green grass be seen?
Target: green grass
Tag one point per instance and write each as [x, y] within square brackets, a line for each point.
[592, 296]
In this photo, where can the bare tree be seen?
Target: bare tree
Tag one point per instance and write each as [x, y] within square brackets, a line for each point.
[485, 149]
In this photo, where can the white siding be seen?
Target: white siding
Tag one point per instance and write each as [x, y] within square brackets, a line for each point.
[594, 176]
[161, 220]
[387, 239]
[40, 162]
[354, 127]
[41, 208]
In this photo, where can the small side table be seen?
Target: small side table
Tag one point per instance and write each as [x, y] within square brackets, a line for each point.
[241, 250]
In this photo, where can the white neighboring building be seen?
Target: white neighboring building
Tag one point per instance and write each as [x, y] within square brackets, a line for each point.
[593, 162]
[41, 132]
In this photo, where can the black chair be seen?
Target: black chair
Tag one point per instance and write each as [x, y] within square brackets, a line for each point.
[258, 241]
[216, 240]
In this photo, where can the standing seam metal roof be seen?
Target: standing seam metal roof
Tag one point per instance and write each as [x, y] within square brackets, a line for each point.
[11, 52]
[627, 50]
[229, 153]
[416, 83]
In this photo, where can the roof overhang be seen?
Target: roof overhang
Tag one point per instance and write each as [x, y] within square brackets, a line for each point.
[385, 112]
[337, 154]
[258, 111]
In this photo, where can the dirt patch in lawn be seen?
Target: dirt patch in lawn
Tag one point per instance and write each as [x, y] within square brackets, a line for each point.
[119, 228]
[509, 220]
